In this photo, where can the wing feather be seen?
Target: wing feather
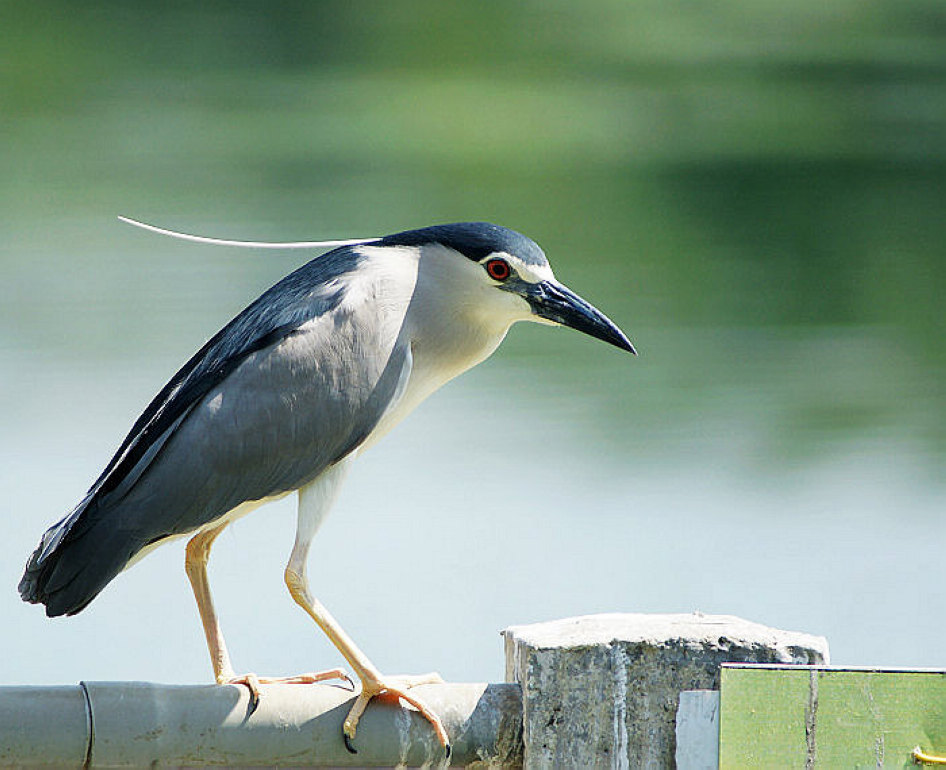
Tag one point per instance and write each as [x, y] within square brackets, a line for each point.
[294, 383]
[276, 314]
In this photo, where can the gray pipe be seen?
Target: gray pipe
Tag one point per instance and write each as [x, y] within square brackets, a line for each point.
[135, 724]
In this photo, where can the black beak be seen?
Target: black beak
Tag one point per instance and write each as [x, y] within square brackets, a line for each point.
[559, 304]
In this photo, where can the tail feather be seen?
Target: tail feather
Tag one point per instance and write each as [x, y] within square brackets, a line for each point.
[32, 586]
[69, 569]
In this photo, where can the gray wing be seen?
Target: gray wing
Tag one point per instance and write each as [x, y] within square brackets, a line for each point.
[294, 383]
[276, 422]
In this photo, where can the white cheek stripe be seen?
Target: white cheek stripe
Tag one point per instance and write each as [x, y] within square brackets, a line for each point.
[527, 272]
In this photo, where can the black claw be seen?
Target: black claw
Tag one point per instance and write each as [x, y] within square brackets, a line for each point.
[448, 751]
[348, 744]
[351, 683]
[254, 703]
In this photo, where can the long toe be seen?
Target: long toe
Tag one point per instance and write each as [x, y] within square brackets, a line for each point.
[394, 688]
[252, 682]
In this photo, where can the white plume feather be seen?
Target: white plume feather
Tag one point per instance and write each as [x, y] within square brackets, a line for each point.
[247, 244]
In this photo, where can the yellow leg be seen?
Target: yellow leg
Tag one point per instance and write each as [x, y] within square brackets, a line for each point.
[196, 556]
[195, 565]
[373, 684]
[315, 500]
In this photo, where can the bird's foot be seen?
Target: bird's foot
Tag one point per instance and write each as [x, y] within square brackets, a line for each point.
[252, 682]
[394, 688]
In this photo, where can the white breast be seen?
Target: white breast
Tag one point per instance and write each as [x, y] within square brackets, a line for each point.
[453, 320]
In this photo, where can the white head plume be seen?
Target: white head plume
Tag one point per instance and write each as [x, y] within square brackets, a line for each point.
[247, 244]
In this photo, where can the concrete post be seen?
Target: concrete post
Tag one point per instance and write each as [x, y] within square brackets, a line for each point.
[602, 690]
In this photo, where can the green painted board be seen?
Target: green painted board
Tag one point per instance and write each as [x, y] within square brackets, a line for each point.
[830, 717]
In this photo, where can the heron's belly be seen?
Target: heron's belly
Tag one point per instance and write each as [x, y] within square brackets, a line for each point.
[230, 516]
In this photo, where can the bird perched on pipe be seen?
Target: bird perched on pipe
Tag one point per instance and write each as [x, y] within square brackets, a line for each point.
[284, 397]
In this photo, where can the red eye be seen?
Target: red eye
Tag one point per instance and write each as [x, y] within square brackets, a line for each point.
[498, 269]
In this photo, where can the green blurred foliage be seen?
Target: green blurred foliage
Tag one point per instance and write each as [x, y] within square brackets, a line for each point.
[755, 190]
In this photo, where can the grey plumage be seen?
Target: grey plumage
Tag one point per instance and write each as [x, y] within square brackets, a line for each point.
[217, 436]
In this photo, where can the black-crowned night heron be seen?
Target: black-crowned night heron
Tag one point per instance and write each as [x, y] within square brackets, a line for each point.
[284, 397]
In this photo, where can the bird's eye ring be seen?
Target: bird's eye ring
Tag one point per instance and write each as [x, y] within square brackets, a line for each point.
[498, 269]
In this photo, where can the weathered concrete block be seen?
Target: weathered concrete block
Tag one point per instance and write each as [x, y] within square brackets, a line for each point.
[602, 690]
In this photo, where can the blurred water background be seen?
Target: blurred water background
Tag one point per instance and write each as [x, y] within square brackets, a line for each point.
[754, 191]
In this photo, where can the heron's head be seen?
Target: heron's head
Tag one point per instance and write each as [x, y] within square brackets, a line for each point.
[497, 259]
